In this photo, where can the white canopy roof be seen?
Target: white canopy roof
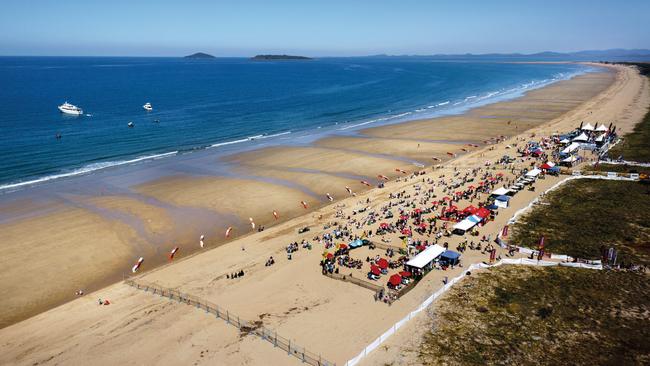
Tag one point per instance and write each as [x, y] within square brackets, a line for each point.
[565, 141]
[582, 138]
[601, 128]
[571, 148]
[533, 173]
[428, 255]
[588, 127]
[500, 191]
[600, 138]
[468, 223]
[570, 159]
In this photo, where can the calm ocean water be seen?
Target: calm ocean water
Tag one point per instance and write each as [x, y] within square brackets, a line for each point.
[206, 103]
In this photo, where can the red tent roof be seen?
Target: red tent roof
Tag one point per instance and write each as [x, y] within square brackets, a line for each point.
[382, 263]
[383, 225]
[545, 166]
[375, 270]
[406, 231]
[471, 187]
[417, 211]
[470, 209]
[405, 274]
[423, 225]
[420, 247]
[483, 212]
[330, 255]
[395, 280]
[343, 246]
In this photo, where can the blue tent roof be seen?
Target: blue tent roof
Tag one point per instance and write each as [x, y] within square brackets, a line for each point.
[503, 198]
[450, 254]
[356, 243]
[555, 169]
[492, 207]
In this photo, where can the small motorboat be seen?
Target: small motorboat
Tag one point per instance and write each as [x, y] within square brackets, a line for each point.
[147, 107]
[131, 124]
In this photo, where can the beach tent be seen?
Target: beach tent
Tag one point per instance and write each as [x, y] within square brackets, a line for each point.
[483, 213]
[450, 257]
[502, 201]
[533, 173]
[601, 128]
[565, 141]
[492, 207]
[600, 138]
[547, 165]
[581, 138]
[382, 263]
[588, 127]
[395, 280]
[375, 270]
[500, 192]
[571, 148]
[425, 257]
[355, 244]
[468, 223]
[570, 159]
[470, 210]
[555, 169]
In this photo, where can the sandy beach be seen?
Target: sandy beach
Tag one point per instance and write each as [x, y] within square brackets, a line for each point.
[327, 316]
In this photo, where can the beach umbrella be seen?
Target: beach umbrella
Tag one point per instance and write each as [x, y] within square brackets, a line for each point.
[329, 256]
[375, 270]
[446, 198]
[417, 211]
[382, 263]
[395, 280]
[405, 274]
[471, 187]
[404, 217]
[423, 225]
[406, 232]
[343, 246]
[383, 225]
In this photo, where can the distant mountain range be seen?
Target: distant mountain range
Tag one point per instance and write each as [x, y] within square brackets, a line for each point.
[592, 55]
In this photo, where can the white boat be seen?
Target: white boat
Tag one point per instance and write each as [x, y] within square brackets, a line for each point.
[147, 107]
[68, 108]
[130, 124]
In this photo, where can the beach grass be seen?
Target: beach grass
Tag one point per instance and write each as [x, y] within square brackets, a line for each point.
[517, 315]
[579, 217]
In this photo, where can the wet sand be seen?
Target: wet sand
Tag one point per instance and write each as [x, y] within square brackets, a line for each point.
[325, 315]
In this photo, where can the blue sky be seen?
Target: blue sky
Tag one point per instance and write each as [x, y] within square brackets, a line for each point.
[318, 28]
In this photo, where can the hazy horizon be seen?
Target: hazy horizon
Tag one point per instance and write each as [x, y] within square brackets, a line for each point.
[318, 29]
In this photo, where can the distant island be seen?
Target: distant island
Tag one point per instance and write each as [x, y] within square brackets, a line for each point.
[279, 57]
[200, 55]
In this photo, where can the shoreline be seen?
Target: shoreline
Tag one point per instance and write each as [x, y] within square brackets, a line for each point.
[311, 134]
[198, 272]
[195, 203]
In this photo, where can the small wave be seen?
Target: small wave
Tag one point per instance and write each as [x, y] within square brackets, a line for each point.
[274, 135]
[86, 169]
[470, 97]
[443, 103]
[229, 143]
[421, 110]
[251, 138]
